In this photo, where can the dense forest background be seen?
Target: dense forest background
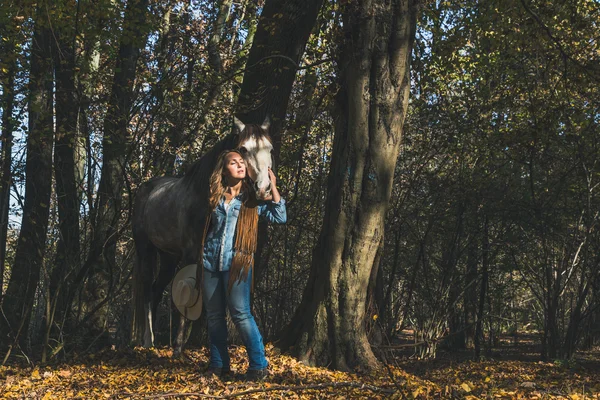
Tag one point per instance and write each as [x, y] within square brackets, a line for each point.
[491, 206]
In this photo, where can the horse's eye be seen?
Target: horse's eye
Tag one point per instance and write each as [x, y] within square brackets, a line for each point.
[243, 150]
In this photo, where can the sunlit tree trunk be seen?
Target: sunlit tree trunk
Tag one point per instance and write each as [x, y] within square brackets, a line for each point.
[328, 328]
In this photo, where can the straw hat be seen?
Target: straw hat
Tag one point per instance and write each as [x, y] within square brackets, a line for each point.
[186, 296]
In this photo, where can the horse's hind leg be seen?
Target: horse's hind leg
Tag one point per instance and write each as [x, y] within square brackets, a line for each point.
[149, 310]
[168, 268]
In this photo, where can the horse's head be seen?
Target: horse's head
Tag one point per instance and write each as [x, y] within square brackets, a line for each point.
[255, 146]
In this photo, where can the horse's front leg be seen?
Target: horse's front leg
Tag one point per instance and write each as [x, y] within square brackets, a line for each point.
[181, 335]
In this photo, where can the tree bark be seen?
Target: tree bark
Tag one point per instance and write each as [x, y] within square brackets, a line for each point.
[65, 144]
[470, 294]
[283, 30]
[328, 328]
[482, 291]
[8, 67]
[31, 245]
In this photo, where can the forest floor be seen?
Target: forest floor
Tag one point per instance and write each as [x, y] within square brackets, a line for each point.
[511, 372]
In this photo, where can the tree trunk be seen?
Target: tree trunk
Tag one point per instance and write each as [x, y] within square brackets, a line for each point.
[328, 328]
[67, 252]
[470, 294]
[214, 43]
[115, 144]
[482, 292]
[19, 299]
[279, 42]
[8, 67]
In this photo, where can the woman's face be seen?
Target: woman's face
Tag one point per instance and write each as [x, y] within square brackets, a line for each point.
[234, 166]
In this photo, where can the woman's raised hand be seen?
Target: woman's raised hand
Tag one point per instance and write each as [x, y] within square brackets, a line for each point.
[275, 196]
[272, 177]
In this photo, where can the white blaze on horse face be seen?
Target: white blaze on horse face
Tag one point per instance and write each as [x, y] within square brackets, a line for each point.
[258, 161]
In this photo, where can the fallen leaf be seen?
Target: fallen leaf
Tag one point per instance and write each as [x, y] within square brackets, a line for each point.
[528, 385]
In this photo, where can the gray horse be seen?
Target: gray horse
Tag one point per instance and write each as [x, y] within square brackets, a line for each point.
[168, 221]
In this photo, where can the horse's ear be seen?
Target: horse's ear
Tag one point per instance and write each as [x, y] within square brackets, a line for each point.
[266, 123]
[238, 124]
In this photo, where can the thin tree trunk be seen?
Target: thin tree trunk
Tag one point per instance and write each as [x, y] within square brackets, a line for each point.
[67, 252]
[470, 295]
[328, 328]
[214, 43]
[31, 245]
[482, 292]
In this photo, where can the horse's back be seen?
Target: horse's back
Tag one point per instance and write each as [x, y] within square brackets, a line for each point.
[157, 213]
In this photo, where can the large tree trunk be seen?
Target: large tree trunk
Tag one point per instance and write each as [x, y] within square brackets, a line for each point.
[8, 67]
[115, 144]
[279, 42]
[328, 328]
[19, 300]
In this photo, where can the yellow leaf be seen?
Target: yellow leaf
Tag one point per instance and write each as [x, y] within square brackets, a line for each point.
[465, 386]
[487, 379]
[36, 374]
[375, 317]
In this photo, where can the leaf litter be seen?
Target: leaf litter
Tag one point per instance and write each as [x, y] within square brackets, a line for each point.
[154, 374]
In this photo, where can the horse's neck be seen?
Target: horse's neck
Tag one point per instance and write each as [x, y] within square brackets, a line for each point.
[199, 178]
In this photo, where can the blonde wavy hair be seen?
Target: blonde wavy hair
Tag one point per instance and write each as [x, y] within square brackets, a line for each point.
[218, 184]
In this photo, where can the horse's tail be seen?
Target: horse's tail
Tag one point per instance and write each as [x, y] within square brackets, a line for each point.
[143, 268]
[138, 323]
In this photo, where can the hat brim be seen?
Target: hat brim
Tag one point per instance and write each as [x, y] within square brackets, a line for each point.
[192, 313]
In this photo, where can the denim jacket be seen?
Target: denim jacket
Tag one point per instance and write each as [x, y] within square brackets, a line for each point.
[219, 241]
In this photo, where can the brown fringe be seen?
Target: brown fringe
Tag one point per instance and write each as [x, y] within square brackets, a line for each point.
[246, 233]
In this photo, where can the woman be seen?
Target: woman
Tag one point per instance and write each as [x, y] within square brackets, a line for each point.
[228, 254]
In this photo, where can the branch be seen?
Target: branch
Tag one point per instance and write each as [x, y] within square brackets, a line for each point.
[557, 43]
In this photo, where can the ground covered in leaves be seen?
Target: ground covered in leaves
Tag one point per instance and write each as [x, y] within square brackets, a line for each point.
[155, 374]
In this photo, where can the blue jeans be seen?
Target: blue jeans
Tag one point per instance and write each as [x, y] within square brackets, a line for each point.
[216, 298]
